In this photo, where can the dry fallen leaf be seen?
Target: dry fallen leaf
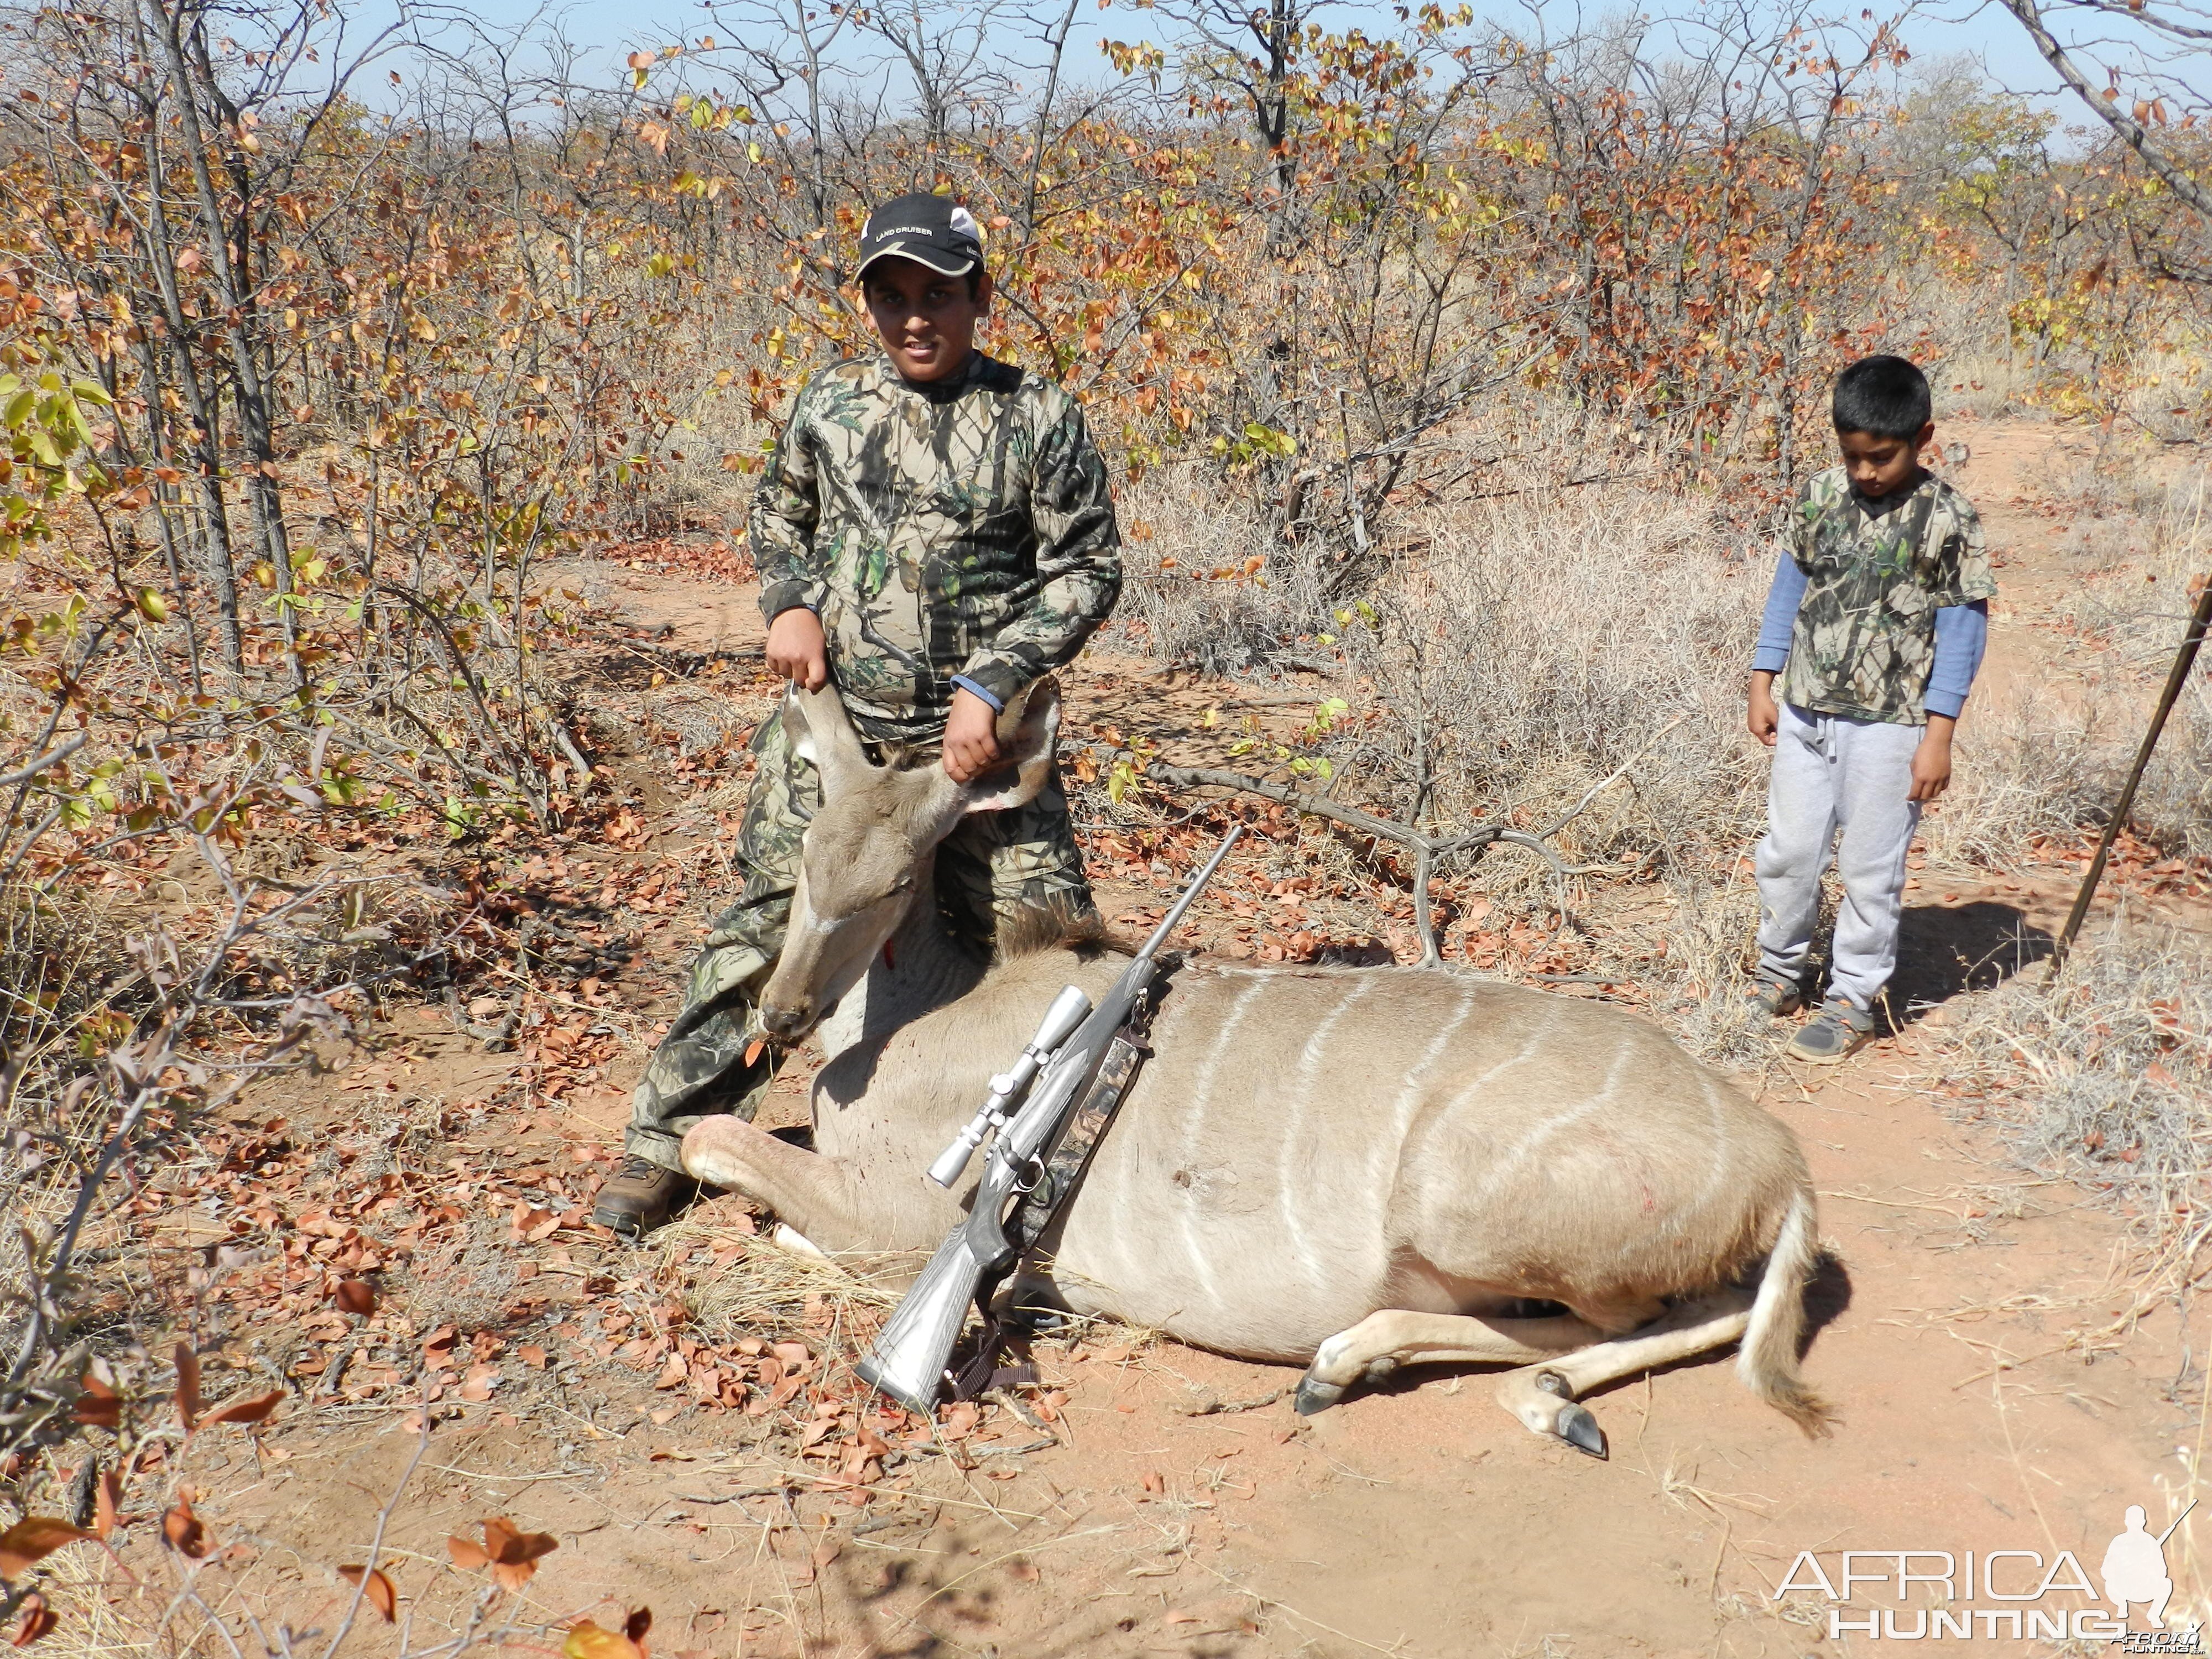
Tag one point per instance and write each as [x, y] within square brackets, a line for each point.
[378, 1590]
[1155, 1482]
[38, 1619]
[354, 1295]
[588, 1641]
[533, 1356]
[1180, 1617]
[108, 1499]
[188, 1384]
[31, 1541]
[182, 1529]
[241, 1408]
[467, 1556]
[511, 1553]
[638, 1624]
[99, 1405]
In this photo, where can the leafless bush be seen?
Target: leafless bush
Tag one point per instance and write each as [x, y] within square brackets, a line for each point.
[1698, 983]
[1541, 643]
[2107, 1076]
[2047, 761]
[468, 1285]
[2031, 765]
[1207, 588]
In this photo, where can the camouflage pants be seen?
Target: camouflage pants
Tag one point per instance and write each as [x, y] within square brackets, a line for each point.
[994, 865]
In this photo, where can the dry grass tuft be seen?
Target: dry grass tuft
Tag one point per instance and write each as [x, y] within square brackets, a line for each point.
[757, 1288]
[1701, 984]
[2105, 1076]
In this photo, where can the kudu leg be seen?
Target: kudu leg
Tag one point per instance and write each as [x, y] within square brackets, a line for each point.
[1382, 1341]
[1543, 1397]
[820, 1198]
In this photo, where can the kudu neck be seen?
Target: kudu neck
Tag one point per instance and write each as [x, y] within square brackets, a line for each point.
[923, 967]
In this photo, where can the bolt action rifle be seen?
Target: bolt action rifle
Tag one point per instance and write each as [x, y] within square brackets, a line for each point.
[912, 1356]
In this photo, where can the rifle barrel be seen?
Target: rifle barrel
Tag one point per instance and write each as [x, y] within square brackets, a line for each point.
[1182, 904]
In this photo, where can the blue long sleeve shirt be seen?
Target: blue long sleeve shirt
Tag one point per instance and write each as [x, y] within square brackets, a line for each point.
[1962, 634]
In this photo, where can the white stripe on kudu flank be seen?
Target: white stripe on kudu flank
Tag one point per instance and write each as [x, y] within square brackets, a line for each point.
[1395, 1142]
[1509, 1165]
[1194, 1114]
[1300, 1093]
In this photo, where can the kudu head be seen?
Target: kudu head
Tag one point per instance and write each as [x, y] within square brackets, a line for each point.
[867, 856]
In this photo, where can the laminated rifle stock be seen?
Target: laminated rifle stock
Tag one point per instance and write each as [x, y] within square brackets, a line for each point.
[909, 1359]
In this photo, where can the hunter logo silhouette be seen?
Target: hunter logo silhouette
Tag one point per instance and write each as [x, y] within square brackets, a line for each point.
[2135, 1567]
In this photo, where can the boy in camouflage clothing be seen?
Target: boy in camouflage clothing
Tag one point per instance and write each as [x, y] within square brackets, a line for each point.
[1874, 625]
[935, 533]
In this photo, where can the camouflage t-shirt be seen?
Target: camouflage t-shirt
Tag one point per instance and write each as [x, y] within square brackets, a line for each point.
[1876, 573]
[960, 528]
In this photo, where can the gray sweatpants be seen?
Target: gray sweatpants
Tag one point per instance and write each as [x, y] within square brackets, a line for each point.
[1831, 772]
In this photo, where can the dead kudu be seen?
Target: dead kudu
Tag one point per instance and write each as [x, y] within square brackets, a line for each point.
[1350, 1169]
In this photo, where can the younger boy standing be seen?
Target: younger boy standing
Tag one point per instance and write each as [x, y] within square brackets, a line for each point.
[1874, 626]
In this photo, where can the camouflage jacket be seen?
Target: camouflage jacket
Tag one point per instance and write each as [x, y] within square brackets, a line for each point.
[962, 529]
[1876, 573]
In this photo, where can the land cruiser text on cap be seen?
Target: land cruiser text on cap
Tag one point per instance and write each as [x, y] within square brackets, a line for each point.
[930, 230]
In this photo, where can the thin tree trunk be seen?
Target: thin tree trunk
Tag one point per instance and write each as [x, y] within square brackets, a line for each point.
[250, 393]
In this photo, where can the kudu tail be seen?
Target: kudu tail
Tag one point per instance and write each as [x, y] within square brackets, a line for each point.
[1767, 1361]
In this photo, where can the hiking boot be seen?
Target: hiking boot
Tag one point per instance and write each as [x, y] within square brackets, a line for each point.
[641, 1196]
[1774, 998]
[1841, 1029]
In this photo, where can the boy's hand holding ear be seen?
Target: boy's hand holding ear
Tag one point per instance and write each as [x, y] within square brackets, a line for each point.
[797, 649]
[971, 737]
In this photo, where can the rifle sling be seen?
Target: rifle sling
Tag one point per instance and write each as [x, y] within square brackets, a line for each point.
[1064, 1170]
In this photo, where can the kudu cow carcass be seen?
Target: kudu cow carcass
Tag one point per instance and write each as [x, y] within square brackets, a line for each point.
[1350, 1169]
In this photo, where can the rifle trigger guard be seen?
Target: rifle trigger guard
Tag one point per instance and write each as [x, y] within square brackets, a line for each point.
[1032, 1178]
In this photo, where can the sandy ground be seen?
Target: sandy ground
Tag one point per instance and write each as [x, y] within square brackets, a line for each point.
[1999, 1388]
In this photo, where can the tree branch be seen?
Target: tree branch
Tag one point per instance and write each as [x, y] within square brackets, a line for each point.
[2131, 131]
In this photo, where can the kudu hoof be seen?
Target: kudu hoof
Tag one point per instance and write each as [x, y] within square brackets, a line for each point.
[1316, 1396]
[1573, 1423]
[1579, 1429]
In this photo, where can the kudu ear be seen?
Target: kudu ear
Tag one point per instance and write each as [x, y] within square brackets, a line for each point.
[821, 732]
[1028, 732]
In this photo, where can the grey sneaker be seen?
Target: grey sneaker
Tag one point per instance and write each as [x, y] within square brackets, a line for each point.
[1840, 1030]
[1774, 998]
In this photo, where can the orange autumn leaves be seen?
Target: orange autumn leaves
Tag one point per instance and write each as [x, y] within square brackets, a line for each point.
[588, 1641]
[375, 1589]
[239, 1408]
[510, 1553]
[33, 1538]
[28, 1542]
[38, 1619]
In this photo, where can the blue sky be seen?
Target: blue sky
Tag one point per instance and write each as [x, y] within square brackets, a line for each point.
[1939, 35]
[1979, 29]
